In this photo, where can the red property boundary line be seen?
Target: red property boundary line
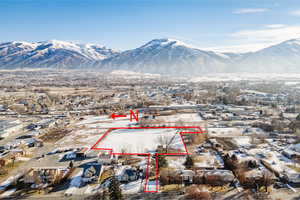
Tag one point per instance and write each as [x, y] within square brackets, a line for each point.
[149, 154]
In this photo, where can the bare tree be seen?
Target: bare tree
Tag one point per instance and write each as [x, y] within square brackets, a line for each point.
[125, 157]
[267, 180]
[166, 141]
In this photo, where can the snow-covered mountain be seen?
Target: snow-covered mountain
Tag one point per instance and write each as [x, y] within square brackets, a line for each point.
[280, 58]
[166, 56]
[159, 56]
[51, 54]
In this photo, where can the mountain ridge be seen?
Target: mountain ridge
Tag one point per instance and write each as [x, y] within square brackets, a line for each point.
[50, 54]
[162, 56]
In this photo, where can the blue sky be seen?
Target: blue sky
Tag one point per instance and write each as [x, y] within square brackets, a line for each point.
[237, 25]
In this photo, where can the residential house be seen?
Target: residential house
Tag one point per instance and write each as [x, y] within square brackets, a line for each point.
[91, 172]
[128, 174]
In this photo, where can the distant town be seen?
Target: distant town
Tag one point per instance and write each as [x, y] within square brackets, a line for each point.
[68, 134]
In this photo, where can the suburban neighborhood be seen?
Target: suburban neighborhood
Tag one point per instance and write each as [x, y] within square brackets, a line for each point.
[147, 137]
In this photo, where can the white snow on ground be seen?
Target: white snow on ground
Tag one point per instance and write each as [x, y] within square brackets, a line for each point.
[242, 141]
[76, 188]
[94, 119]
[80, 138]
[120, 169]
[91, 128]
[140, 140]
[92, 189]
[112, 124]
[105, 121]
[225, 132]
[176, 164]
[184, 117]
[132, 187]
[76, 180]
[74, 184]
[276, 160]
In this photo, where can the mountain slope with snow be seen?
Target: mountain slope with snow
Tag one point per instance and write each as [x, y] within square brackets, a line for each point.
[166, 56]
[51, 54]
[280, 58]
[159, 56]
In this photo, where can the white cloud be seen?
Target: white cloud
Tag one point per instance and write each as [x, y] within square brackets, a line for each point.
[249, 10]
[275, 26]
[268, 34]
[256, 39]
[295, 13]
[242, 48]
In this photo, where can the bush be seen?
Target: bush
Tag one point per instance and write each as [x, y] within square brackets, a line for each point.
[169, 177]
[197, 193]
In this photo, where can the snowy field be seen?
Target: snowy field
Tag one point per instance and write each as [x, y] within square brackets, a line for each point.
[90, 129]
[141, 140]
[105, 121]
[80, 138]
[242, 141]
[183, 117]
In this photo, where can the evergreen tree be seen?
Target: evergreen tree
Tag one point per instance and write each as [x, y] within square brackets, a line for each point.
[189, 162]
[162, 161]
[115, 192]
